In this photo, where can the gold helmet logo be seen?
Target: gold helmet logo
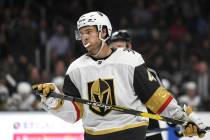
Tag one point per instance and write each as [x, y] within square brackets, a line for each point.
[102, 91]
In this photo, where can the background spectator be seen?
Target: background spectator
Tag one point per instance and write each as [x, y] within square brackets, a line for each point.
[191, 96]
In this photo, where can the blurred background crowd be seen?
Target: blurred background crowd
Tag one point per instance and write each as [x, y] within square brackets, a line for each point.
[37, 43]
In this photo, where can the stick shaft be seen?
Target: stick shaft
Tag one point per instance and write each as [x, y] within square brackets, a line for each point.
[117, 108]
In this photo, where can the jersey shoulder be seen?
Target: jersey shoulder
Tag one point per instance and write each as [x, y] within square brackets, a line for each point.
[129, 57]
[77, 63]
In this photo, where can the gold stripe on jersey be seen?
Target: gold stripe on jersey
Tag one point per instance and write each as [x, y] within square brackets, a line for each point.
[159, 100]
[112, 130]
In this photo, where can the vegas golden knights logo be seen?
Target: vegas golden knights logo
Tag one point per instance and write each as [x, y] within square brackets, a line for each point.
[101, 90]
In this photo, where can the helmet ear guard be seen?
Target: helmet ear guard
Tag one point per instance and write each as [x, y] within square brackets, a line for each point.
[77, 35]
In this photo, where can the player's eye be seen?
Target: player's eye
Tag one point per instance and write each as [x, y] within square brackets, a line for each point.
[89, 31]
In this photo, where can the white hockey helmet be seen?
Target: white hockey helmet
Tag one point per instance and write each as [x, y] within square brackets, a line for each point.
[94, 18]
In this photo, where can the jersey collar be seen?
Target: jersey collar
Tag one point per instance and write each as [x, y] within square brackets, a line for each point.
[104, 58]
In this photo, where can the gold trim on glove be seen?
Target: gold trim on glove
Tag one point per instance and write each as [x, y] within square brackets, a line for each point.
[190, 130]
[59, 104]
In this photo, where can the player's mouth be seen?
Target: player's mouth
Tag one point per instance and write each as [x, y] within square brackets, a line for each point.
[86, 45]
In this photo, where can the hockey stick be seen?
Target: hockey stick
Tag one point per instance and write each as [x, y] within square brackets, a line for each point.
[116, 108]
[155, 131]
[158, 130]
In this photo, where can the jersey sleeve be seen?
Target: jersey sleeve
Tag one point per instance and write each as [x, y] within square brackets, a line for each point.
[69, 88]
[70, 111]
[149, 91]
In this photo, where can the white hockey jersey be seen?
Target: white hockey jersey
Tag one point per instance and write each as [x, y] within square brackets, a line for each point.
[120, 79]
[109, 81]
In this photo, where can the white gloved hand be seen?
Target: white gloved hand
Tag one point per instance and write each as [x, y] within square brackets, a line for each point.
[194, 127]
[48, 103]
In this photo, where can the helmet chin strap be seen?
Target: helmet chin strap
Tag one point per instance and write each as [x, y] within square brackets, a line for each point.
[102, 45]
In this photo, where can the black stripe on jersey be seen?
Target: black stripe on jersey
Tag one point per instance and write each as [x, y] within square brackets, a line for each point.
[69, 88]
[144, 87]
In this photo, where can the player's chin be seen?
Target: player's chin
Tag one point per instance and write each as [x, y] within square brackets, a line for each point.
[88, 49]
[92, 52]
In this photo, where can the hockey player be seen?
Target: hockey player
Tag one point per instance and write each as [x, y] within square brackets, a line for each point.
[123, 39]
[115, 77]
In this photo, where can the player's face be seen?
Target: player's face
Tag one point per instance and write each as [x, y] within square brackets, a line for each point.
[90, 39]
[119, 44]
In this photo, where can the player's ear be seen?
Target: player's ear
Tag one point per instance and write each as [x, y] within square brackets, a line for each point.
[104, 32]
